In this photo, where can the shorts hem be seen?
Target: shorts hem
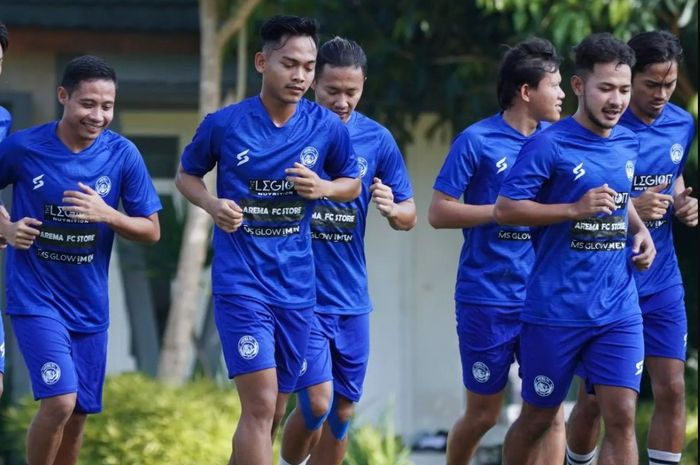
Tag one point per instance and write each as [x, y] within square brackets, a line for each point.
[313, 382]
[56, 394]
[355, 398]
[670, 356]
[247, 372]
[485, 392]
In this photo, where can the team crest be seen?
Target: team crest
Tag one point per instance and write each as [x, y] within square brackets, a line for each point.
[50, 373]
[481, 372]
[676, 153]
[363, 166]
[543, 386]
[103, 185]
[309, 156]
[629, 169]
[248, 347]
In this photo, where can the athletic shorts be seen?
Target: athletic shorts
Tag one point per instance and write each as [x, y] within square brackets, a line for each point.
[339, 351]
[610, 355]
[62, 362]
[2, 347]
[665, 323]
[256, 336]
[488, 345]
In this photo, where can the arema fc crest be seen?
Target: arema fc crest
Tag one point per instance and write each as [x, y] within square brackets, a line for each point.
[248, 347]
[676, 153]
[629, 169]
[481, 372]
[309, 156]
[543, 386]
[363, 166]
[103, 185]
[50, 373]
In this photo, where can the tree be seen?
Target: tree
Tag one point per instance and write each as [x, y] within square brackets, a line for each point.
[219, 21]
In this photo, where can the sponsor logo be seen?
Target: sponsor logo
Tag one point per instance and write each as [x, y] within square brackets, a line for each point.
[501, 165]
[621, 199]
[579, 171]
[676, 153]
[640, 367]
[304, 366]
[65, 257]
[269, 210]
[59, 214]
[38, 182]
[599, 227]
[363, 166]
[331, 236]
[103, 186]
[510, 235]
[67, 237]
[334, 217]
[589, 246]
[50, 373]
[248, 347]
[543, 386]
[271, 231]
[481, 372]
[629, 169]
[643, 182]
[309, 156]
[271, 187]
[242, 157]
[655, 224]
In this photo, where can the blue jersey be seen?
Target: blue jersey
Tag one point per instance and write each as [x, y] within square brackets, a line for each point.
[269, 257]
[495, 260]
[582, 275]
[664, 147]
[338, 228]
[64, 274]
[5, 123]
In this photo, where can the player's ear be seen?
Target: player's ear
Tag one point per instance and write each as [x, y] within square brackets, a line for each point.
[577, 84]
[260, 61]
[525, 92]
[62, 94]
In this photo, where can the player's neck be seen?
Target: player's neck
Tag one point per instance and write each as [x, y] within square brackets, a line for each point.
[582, 118]
[643, 117]
[279, 112]
[72, 141]
[519, 119]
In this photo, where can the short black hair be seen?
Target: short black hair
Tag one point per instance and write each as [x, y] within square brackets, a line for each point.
[274, 29]
[86, 68]
[343, 53]
[525, 63]
[4, 40]
[600, 48]
[655, 47]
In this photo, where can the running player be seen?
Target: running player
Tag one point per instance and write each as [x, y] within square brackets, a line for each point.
[5, 125]
[269, 151]
[665, 132]
[571, 183]
[495, 260]
[336, 360]
[68, 179]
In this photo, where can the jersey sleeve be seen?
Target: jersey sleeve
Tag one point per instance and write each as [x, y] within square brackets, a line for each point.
[202, 153]
[5, 123]
[138, 194]
[8, 162]
[341, 161]
[533, 166]
[459, 166]
[391, 169]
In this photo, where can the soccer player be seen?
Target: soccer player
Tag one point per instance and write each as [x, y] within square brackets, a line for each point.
[269, 151]
[336, 360]
[571, 183]
[665, 132]
[5, 125]
[495, 261]
[68, 179]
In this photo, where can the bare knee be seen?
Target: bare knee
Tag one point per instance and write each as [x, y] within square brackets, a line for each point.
[261, 406]
[482, 417]
[669, 392]
[57, 410]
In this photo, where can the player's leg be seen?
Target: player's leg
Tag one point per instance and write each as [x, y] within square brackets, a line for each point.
[349, 348]
[252, 442]
[72, 440]
[552, 447]
[618, 406]
[583, 427]
[480, 415]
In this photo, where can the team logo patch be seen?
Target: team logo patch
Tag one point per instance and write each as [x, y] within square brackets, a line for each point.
[103, 185]
[309, 156]
[676, 153]
[543, 386]
[363, 166]
[579, 171]
[248, 347]
[629, 169]
[481, 372]
[50, 373]
[501, 164]
[304, 366]
[38, 182]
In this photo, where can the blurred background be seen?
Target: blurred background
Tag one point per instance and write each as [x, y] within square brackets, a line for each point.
[431, 72]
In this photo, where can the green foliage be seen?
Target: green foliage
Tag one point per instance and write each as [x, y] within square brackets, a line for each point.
[371, 445]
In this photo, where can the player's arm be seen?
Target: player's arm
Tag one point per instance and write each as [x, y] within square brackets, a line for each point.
[225, 212]
[530, 213]
[643, 249]
[401, 216]
[88, 205]
[309, 185]
[448, 212]
[685, 206]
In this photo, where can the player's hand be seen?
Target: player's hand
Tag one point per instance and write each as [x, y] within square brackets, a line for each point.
[643, 250]
[88, 205]
[306, 182]
[597, 200]
[651, 204]
[227, 214]
[686, 207]
[383, 198]
[21, 234]
[3, 214]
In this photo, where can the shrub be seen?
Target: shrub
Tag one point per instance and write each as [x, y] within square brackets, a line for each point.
[372, 445]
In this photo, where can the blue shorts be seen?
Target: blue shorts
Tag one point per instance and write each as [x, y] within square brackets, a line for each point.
[256, 336]
[61, 362]
[665, 323]
[339, 351]
[2, 347]
[488, 345]
[610, 355]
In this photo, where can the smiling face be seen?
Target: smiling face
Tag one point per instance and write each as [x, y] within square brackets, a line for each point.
[652, 88]
[339, 88]
[287, 72]
[603, 96]
[546, 100]
[87, 111]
